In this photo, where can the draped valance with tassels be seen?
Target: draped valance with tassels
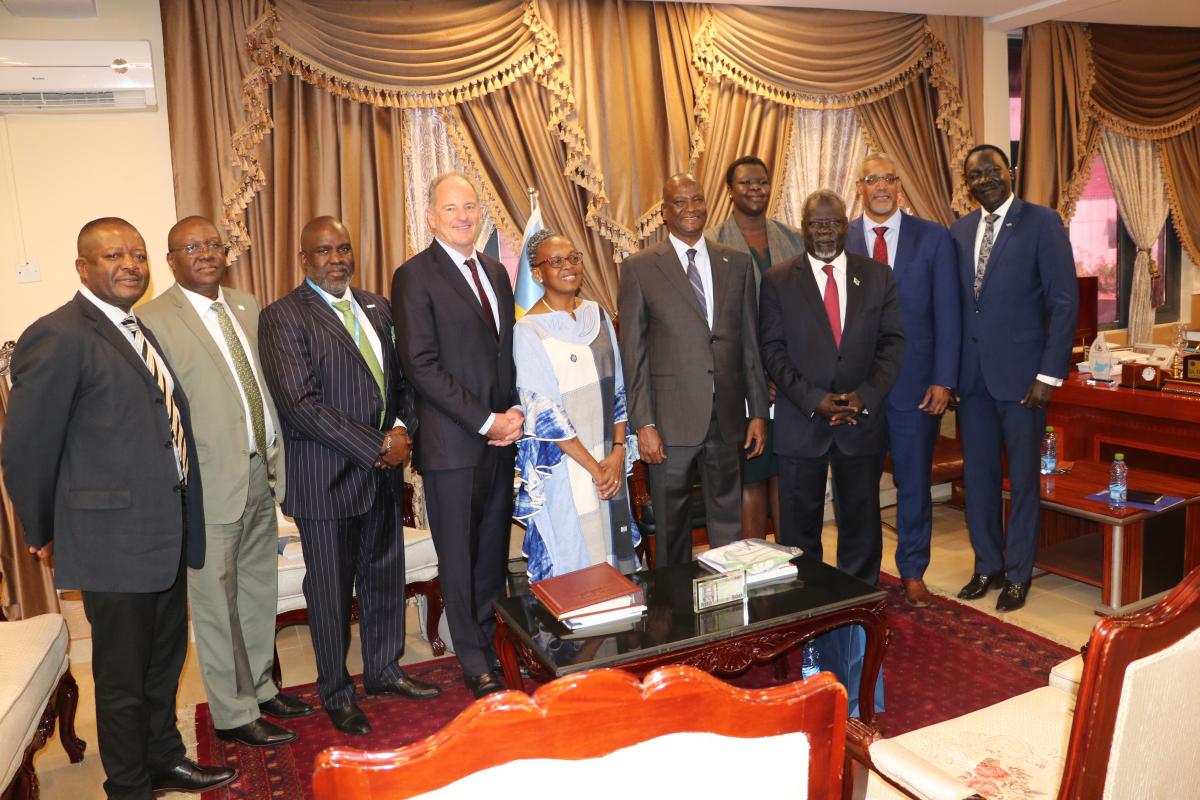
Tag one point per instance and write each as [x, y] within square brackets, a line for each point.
[594, 103]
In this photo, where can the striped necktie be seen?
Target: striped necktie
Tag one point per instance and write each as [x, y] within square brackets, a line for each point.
[693, 275]
[985, 250]
[158, 371]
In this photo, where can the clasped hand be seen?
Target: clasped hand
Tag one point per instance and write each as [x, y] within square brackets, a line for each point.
[390, 458]
[608, 474]
[506, 428]
[840, 409]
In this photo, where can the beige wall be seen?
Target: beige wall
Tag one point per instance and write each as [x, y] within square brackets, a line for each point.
[57, 171]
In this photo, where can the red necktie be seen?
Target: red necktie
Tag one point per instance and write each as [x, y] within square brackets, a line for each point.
[483, 298]
[880, 251]
[833, 306]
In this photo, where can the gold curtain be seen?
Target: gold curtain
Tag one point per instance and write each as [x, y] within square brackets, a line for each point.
[26, 585]
[1079, 79]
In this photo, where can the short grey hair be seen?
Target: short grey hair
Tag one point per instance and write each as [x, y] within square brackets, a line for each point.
[535, 241]
[437, 181]
[879, 155]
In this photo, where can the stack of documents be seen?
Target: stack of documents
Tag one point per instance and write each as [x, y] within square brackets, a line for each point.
[763, 561]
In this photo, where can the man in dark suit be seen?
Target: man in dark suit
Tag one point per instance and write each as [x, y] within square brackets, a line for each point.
[925, 269]
[346, 409]
[1020, 303]
[693, 371]
[209, 333]
[454, 311]
[833, 361]
[100, 463]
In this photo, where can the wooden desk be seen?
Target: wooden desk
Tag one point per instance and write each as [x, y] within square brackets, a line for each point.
[1130, 553]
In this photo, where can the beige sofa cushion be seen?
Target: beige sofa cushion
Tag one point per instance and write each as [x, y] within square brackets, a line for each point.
[1066, 675]
[34, 657]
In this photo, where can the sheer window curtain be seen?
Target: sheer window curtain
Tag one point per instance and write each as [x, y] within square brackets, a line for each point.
[826, 150]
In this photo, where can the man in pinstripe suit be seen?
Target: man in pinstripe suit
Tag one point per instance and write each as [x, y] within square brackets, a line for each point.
[329, 359]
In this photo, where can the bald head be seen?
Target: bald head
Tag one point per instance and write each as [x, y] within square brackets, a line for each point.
[684, 210]
[824, 224]
[327, 255]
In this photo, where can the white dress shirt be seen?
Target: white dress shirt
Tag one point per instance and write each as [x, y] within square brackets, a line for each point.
[460, 261]
[839, 279]
[891, 236]
[208, 316]
[116, 316]
[364, 326]
[703, 266]
[997, 232]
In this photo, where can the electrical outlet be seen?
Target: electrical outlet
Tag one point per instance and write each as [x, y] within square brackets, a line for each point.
[28, 272]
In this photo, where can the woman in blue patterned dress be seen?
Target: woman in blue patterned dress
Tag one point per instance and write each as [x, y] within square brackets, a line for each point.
[574, 457]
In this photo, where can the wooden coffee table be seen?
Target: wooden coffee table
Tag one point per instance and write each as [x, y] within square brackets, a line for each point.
[775, 618]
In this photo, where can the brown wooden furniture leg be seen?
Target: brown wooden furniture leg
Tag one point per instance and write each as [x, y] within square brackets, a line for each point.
[508, 657]
[68, 700]
[431, 590]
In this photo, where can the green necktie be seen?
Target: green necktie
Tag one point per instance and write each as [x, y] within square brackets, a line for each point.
[364, 347]
[245, 376]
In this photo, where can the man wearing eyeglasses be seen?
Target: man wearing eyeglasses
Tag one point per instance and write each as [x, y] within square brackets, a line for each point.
[925, 268]
[1020, 303]
[330, 362]
[209, 334]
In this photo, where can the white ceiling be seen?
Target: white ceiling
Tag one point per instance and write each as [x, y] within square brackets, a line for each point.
[1005, 15]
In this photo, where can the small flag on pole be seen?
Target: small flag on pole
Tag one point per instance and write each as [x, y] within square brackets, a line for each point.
[528, 291]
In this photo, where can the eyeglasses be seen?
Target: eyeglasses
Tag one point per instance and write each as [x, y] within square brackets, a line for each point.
[201, 247]
[984, 173]
[558, 262]
[889, 180]
[818, 224]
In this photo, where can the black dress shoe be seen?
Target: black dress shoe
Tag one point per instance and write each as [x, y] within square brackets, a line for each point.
[259, 733]
[978, 586]
[188, 776]
[285, 706]
[1012, 596]
[483, 685]
[350, 719]
[406, 686]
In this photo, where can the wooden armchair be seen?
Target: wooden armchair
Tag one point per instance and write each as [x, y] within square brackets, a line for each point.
[680, 730]
[1133, 729]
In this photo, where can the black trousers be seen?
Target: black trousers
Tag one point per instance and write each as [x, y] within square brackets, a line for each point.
[856, 485]
[470, 516]
[719, 466]
[139, 642]
[364, 552]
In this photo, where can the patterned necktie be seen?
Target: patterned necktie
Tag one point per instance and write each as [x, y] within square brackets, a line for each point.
[833, 305]
[364, 346]
[245, 376]
[985, 250]
[693, 274]
[880, 253]
[158, 372]
[473, 268]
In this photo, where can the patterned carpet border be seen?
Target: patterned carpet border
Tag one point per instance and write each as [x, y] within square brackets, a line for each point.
[942, 661]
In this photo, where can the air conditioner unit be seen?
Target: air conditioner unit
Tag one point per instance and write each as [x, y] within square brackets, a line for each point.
[42, 75]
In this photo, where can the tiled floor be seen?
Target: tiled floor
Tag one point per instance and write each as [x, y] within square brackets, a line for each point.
[1058, 608]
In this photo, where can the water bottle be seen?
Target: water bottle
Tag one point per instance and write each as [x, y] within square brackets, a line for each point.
[1118, 481]
[810, 660]
[1049, 452]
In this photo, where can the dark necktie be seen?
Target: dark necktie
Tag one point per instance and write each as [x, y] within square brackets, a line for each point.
[158, 372]
[693, 274]
[880, 253]
[833, 305]
[473, 268]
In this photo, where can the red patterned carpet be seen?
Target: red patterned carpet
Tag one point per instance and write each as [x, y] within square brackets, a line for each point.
[943, 661]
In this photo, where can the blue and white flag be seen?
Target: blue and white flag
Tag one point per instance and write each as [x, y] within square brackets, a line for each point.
[527, 291]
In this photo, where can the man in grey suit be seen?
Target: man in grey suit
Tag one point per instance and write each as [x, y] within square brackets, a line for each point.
[689, 346]
[209, 334]
[100, 463]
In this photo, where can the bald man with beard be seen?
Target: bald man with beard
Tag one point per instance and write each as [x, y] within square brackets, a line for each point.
[329, 357]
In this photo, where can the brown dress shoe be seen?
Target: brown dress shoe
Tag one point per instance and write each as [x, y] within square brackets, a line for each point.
[915, 593]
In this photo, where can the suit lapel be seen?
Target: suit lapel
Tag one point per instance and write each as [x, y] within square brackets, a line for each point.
[459, 283]
[811, 291]
[109, 332]
[1001, 237]
[855, 243]
[718, 263]
[853, 293]
[906, 247]
[379, 323]
[775, 241]
[668, 263]
[195, 326]
[327, 317]
[966, 247]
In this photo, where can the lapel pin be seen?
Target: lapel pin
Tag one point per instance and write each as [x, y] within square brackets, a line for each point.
[725, 259]
[857, 282]
[372, 305]
[1008, 224]
[241, 307]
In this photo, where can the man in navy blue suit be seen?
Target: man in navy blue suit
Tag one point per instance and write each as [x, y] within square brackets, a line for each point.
[922, 259]
[1020, 302]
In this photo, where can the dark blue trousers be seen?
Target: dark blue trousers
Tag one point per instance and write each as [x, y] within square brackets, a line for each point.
[912, 436]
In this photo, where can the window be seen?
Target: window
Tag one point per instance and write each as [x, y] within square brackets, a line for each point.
[1102, 245]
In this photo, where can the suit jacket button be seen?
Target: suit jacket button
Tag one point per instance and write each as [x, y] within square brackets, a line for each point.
[973, 339]
[177, 488]
[159, 400]
[170, 444]
[979, 311]
[710, 372]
